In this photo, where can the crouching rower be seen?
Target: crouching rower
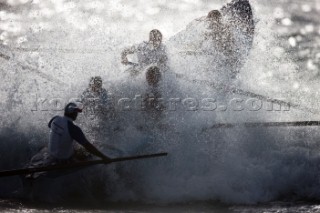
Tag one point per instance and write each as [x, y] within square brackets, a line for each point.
[63, 134]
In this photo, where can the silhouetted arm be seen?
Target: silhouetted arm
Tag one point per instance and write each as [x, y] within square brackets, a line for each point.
[50, 122]
[77, 135]
[125, 52]
[93, 150]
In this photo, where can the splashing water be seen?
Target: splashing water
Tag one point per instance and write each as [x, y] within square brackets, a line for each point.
[69, 43]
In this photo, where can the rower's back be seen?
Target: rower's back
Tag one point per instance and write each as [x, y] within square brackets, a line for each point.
[61, 145]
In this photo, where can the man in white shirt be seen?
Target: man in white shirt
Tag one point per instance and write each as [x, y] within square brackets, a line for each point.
[63, 135]
[151, 52]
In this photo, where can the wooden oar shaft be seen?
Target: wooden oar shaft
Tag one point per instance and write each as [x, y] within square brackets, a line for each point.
[266, 124]
[74, 165]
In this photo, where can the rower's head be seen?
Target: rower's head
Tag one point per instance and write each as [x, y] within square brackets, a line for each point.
[215, 16]
[72, 110]
[153, 76]
[95, 83]
[155, 37]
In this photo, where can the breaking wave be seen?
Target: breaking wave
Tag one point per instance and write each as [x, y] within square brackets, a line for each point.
[233, 165]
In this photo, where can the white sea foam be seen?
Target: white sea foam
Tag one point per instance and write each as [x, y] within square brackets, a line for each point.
[236, 165]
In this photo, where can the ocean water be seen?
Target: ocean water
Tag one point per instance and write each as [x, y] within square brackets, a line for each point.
[52, 48]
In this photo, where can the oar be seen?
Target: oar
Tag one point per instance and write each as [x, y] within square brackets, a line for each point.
[247, 93]
[265, 124]
[75, 165]
[64, 50]
[31, 69]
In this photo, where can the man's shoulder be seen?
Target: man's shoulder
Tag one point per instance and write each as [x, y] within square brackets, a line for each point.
[87, 94]
[143, 46]
[163, 47]
[86, 91]
[73, 126]
[55, 118]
